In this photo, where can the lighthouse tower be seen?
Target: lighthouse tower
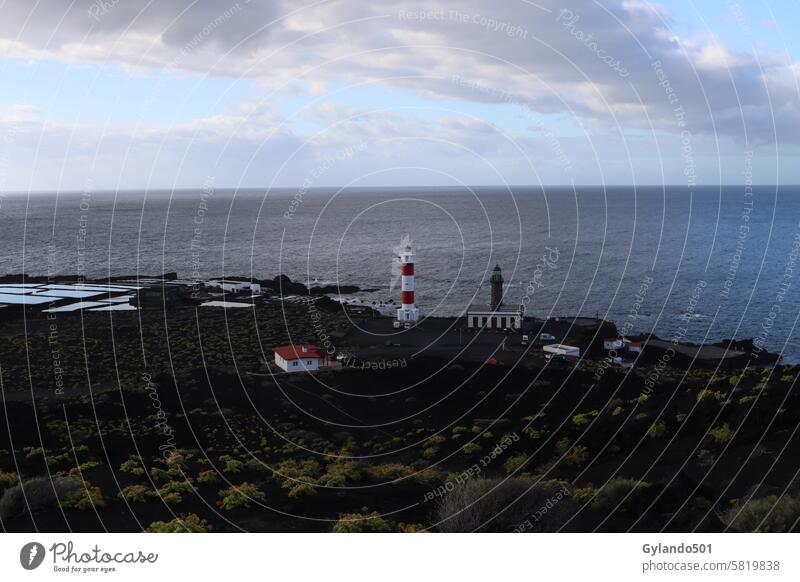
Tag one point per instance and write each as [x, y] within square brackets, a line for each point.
[496, 299]
[408, 314]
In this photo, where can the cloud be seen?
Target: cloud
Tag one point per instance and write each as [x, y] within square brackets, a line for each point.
[553, 56]
[614, 69]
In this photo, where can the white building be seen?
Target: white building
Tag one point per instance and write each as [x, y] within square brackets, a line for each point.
[483, 316]
[612, 343]
[235, 286]
[495, 315]
[302, 358]
[562, 350]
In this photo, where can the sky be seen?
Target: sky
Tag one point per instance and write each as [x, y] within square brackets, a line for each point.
[172, 94]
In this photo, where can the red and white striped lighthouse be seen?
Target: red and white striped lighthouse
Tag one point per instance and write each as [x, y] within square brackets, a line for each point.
[408, 314]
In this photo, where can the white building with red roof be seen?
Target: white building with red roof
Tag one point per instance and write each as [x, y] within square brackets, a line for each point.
[297, 358]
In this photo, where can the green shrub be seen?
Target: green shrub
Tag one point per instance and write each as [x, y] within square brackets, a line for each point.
[721, 434]
[577, 455]
[618, 491]
[243, 495]
[471, 448]
[302, 490]
[84, 497]
[768, 514]
[136, 493]
[209, 476]
[305, 470]
[580, 419]
[389, 471]
[501, 505]
[39, 493]
[514, 463]
[584, 494]
[532, 433]
[7, 479]
[341, 473]
[411, 527]
[132, 466]
[185, 524]
[657, 430]
[231, 465]
[173, 490]
[706, 394]
[360, 523]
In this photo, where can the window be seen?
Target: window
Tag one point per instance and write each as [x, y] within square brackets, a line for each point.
[309, 362]
[294, 362]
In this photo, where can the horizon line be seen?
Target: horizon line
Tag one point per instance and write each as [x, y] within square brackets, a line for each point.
[321, 188]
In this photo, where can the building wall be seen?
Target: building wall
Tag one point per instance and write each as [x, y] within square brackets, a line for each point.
[304, 365]
[499, 320]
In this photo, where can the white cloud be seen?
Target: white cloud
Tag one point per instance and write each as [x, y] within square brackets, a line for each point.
[566, 59]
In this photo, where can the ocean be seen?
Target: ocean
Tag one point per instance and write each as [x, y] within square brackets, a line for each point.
[696, 265]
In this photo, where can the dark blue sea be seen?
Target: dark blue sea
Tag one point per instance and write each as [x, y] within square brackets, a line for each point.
[705, 265]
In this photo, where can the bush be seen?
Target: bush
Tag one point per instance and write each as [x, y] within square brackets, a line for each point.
[429, 476]
[411, 527]
[706, 394]
[132, 466]
[514, 463]
[231, 465]
[7, 479]
[580, 419]
[577, 456]
[39, 493]
[389, 471]
[136, 493]
[306, 470]
[360, 523]
[495, 505]
[302, 490]
[209, 476]
[340, 474]
[185, 524]
[471, 448]
[618, 491]
[721, 434]
[768, 514]
[84, 497]
[243, 495]
[657, 430]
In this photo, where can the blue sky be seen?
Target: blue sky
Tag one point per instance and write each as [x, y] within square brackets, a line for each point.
[138, 94]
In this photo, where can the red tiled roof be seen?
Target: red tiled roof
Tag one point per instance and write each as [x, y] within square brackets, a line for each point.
[292, 352]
